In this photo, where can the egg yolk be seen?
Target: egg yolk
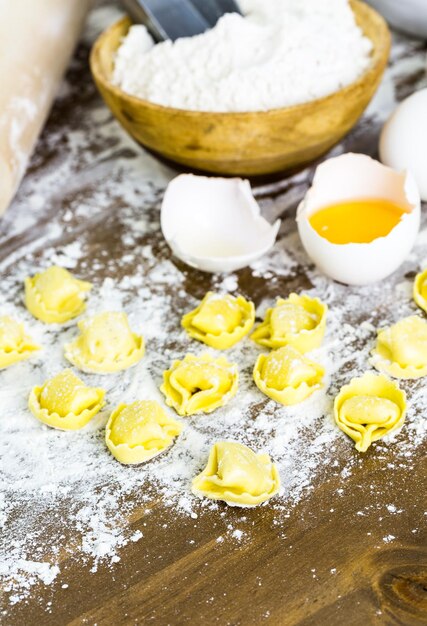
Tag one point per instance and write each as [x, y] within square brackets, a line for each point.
[356, 221]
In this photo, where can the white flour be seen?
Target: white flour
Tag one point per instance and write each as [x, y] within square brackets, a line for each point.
[280, 54]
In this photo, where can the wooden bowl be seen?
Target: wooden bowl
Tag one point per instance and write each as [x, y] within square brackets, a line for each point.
[243, 143]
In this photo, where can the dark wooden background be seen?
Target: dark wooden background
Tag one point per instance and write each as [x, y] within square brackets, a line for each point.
[334, 567]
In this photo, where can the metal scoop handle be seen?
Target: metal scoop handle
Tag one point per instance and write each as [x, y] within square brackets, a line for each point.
[171, 19]
[167, 19]
[212, 10]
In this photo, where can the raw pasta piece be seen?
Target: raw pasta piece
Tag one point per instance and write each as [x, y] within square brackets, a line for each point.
[288, 377]
[55, 296]
[298, 321]
[199, 384]
[220, 321]
[369, 408]
[106, 344]
[401, 349]
[236, 474]
[15, 345]
[65, 402]
[420, 290]
[140, 431]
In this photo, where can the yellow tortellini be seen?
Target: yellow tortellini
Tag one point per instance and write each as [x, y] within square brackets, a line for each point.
[140, 431]
[55, 296]
[15, 345]
[65, 402]
[368, 408]
[236, 474]
[288, 377]
[106, 344]
[298, 321]
[199, 384]
[401, 349]
[420, 290]
[220, 321]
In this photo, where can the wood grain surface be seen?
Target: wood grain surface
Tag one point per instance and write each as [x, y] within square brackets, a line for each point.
[281, 582]
[327, 563]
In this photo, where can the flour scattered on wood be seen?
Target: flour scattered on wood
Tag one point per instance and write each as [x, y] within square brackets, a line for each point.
[62, 494]
[70, 478]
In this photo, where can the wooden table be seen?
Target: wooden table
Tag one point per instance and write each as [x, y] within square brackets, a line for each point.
[328, 562]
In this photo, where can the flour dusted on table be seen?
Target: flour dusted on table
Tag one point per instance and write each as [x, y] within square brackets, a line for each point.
[104, 188]
[281, 53]
[71, 479]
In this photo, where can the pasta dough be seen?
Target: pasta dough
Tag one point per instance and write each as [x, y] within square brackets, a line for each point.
[140, 431]
[15, 345]
[106, 344]
[368, 408]
[420, 290]
[65, 402]
[237, 475]
[298, 321]
[220, 321]
[401, 349]
[55, 296]
[199, 384]
[288, 377]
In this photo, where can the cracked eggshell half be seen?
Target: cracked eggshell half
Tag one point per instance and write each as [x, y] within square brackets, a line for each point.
[215, 224]
[349, 177]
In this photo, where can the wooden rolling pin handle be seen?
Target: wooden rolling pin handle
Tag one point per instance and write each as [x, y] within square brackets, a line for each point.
[37, 40]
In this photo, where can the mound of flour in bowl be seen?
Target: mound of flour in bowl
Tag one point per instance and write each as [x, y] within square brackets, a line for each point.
[283, 52]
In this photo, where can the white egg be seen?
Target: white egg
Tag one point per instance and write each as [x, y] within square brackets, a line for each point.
[349, 177]
[403, 141]
[215, 224]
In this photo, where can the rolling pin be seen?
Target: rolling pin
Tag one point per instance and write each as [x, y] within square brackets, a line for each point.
[37, 39]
